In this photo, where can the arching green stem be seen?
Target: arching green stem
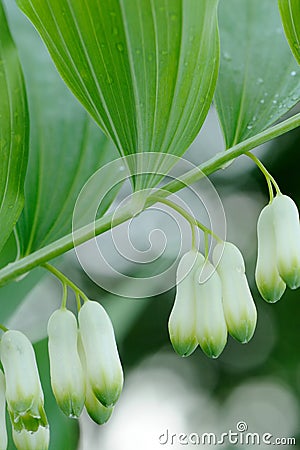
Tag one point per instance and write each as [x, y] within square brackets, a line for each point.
[192, 220]
[269, 178]
[62, 245]
[66, 282]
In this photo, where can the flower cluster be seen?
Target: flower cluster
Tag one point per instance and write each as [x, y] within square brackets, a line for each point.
[278, 261]
[85, 371]
[85, 367]
[211, 300]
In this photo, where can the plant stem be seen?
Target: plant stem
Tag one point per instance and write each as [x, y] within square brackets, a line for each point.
[65, 296]
[66, 282]
[78, 301]
[188, 217]
[51, 251]
[266, 173]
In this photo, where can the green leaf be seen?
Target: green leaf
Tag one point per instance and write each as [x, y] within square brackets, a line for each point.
[144, 69]
[13, 132]
[290, 15]
[66, 147]
[259, 80]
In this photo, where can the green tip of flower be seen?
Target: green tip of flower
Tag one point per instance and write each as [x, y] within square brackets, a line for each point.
[99, 413]
[100, 417]
[71, 407]
[30, 420]
[290, 275]
[271, 292]
[185, 347]
[211, 348]
[244, 332]
[109, 396]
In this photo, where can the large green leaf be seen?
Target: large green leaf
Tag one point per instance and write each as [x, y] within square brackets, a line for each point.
[66, 147]
[259, 79]
[13, 133]
[290, 14]
[144, 69]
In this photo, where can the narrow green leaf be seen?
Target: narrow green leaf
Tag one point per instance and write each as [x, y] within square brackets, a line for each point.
[144, 69]
[14, 136]
[259, 80]
[290, 15]
[66, 147]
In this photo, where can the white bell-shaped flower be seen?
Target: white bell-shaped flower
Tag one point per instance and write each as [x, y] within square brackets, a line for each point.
[182, 321]
[103, 366]
[67, 377]
[211, 330]
[99, 413]
[27, 440]
[24, 393]
[268, 280]
[239, 308]
[3, 432]
[287, 236]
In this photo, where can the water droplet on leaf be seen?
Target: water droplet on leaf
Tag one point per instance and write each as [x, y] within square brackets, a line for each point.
[227, 56]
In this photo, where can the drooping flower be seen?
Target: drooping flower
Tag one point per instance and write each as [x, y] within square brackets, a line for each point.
[287, 236]
[211, 330]
[268, 280]
[239, 308]
[103, 367]
[67, 377]
[24, 395]
[3, 432]
[182, 321]
[99, 413]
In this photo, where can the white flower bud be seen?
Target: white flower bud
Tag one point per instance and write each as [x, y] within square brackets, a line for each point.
[182, 321]
[239, 308]
[211, 327]
[27, 440]
[287, 235]
[104, 370]
[67, 378]
[3, 433]
[268, 280]
[24, 394]
[23, 388]
[97, 412]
